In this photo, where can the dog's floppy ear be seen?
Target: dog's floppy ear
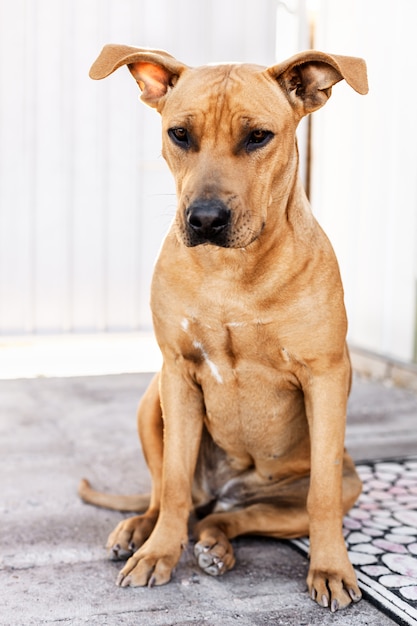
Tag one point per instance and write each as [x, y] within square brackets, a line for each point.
[307, 78]
[155, 71]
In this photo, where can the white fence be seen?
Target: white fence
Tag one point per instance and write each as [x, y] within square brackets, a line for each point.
[85, 196]
[365, 170]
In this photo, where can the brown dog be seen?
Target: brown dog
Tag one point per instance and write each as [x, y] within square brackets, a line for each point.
[246, 420]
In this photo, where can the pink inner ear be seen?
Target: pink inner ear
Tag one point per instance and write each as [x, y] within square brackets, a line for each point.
[152, 79]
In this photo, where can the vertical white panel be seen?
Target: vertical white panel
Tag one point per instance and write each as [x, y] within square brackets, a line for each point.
[122, 202]
[52, 218]
[364, 170]
[89, 171]
[17, 181]
[160, 202]
[259, 28]
[241, 30]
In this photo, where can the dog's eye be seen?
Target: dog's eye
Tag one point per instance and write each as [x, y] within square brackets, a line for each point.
[258, 138]
[180, 136]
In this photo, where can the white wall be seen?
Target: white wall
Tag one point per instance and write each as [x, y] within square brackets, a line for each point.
[85, 196]
[365, 169]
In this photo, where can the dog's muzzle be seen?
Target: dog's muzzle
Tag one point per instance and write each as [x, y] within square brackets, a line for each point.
[207, 221]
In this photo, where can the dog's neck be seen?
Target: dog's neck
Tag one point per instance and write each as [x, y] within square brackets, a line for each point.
[288, 206]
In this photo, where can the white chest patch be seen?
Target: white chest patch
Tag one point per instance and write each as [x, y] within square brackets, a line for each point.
[185, 324]
[212, 366]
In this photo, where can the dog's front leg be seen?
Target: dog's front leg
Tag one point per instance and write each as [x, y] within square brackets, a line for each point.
[331, 579]
[182, 407]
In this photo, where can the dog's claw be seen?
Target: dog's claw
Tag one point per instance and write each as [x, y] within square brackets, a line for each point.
[324, 601]
[126, 581]
[334, 606]
[117, 553]
[354, 595]
[208, 560]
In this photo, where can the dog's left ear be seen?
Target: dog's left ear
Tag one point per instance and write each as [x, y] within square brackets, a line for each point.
[308, 77]
[155, 71]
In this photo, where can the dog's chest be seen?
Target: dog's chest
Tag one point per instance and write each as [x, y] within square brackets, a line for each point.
[216, 349]
[251, 393]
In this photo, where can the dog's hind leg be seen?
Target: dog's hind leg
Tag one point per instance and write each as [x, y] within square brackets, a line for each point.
[131, 533]
[213, 549]
[284, 518]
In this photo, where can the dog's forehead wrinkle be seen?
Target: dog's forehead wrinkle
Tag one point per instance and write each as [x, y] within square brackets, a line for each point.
[225, 87]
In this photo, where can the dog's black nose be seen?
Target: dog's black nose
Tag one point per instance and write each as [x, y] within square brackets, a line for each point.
[208, 220]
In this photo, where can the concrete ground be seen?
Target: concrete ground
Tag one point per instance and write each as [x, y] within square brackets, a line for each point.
[53, 566]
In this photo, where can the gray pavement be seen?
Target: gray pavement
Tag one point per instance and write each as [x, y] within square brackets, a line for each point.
[53, 566]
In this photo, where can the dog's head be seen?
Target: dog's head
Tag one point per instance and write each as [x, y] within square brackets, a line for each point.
[229, 132]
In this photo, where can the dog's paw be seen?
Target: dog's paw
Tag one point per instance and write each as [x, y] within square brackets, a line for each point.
[146, 568]
[214, 555]
[129, 535]
[333, 590]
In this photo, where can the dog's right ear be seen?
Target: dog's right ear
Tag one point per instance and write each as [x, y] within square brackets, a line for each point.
[155, 71]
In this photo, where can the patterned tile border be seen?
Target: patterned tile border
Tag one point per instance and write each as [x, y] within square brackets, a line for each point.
[381, 535]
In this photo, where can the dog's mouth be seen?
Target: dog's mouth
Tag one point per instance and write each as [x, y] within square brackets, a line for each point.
[210, 222]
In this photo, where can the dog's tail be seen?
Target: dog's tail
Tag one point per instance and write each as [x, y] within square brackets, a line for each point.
[136, 503]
